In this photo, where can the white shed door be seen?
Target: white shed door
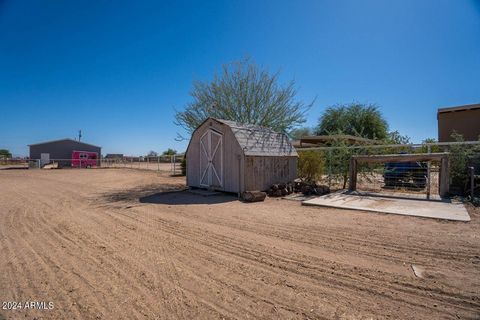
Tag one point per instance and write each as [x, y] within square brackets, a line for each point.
[211, 159]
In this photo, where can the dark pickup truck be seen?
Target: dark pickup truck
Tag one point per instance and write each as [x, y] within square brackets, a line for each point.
[406, 174]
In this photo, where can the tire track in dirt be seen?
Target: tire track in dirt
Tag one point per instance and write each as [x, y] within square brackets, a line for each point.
[444, 297]
[49, 247]
[127, 228]
[174, 230]
[172, 275]
[226, 260]
[336, 235]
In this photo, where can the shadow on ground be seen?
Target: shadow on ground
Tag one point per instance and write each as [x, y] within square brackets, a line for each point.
[135, 194]
[186, 197]
[171, 194]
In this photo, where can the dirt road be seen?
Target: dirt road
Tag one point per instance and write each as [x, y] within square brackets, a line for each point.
[112, 244]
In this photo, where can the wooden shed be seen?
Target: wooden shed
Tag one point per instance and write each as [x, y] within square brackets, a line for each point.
[228, 156]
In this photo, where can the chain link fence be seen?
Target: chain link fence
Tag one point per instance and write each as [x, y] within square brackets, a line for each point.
[171, 164]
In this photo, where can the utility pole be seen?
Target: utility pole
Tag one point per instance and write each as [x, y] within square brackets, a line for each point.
[79, 135]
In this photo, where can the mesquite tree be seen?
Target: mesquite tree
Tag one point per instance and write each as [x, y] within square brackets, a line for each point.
[245, 93]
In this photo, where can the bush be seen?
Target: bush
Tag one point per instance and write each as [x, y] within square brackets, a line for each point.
[311, 165]
[183, 165]
[461, 158]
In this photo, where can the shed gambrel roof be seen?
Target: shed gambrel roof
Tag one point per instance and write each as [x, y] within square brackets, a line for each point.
[260, 141]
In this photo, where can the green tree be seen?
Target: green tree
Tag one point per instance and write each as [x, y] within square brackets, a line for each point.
[245, 93]
[4, 153]
[152, 154]
[169, 152]
[362, 120]
[394, 137]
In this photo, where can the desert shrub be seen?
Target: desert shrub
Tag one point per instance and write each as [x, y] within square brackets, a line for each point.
[183, 166]
[311, 165]
[461, 157]
[433, 149]
[338, 162]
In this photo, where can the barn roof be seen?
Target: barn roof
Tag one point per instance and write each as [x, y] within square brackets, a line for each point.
[67, 139]
[260, 141]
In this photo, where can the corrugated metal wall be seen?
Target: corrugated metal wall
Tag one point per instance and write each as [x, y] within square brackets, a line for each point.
[61, 149]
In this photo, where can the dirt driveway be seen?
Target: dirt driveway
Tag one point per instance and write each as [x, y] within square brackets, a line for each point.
[113, 244]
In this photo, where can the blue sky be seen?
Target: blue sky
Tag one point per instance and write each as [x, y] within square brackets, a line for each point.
[118, 69]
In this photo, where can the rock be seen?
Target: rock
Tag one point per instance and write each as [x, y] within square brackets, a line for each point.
[277, 193]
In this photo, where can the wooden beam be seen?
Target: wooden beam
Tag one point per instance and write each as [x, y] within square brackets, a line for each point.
[418, 157]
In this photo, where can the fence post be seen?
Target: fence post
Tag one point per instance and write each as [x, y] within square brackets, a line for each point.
[158, 163]
[429, 150]
[329, 168]
[174, 164]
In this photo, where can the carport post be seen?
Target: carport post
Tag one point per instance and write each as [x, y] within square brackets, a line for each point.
[444, 184]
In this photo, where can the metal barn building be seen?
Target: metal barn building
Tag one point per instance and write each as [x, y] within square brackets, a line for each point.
[60, 150]
[227, 156]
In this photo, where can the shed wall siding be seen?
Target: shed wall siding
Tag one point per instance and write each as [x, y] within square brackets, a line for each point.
[262, 172]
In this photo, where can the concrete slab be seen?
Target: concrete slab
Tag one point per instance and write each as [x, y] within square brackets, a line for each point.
[436, 209]
[298, 197]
